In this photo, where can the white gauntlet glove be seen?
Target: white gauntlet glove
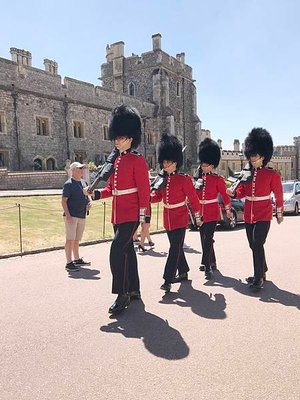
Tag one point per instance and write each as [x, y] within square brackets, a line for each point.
[142, 215]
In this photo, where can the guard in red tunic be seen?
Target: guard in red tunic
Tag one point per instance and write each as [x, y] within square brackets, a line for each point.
[258, 205]
[129, 186]
[209, 185]
[179, 188]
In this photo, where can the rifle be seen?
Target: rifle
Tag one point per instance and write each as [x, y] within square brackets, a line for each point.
[105, 170]
[198, 181]
[244, 176]
[159, 182]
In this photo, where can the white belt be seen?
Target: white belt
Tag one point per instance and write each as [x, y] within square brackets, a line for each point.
[255, 198]
[116, 192]
[208, 201]
[183, 203]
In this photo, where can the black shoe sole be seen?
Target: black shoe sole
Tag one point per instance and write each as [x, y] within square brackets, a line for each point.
[72, 270]
[209, 276]
[167, 290]
[119, 310]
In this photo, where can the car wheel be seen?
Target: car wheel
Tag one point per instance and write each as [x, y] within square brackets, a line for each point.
[296, 211]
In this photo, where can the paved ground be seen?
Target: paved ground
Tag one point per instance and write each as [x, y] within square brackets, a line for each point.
[205, 340]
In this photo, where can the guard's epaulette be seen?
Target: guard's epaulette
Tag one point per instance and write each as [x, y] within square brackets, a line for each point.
[136, 153]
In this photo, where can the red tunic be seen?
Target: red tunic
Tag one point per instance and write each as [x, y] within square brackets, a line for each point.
[264, 182]
[179, 188]
[131, 173]
[213, 186]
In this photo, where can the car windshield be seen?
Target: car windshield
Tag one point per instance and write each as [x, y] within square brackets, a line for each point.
[288, 187]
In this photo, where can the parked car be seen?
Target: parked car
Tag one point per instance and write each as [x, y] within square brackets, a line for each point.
[237, 209]
[291, 197]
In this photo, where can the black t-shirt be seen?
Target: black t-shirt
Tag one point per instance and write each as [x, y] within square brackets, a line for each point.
[77, 201]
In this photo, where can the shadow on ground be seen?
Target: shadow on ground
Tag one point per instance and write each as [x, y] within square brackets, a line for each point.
[85, 273]
[158, 337]
[202, 304]
[269, 294]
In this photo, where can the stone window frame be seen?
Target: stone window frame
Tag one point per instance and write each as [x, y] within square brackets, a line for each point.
[178, 89]
[150, 137]
[80, 156]
[78, 125]
[54, 163]
[132, 89]
[39, 119]
[105, 132]
[3, 123]
[150, 159]
[36, 160]
[4, 158]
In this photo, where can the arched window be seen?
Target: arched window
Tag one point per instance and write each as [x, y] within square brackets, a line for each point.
[37, 164]
[50, 164]
[131, 89]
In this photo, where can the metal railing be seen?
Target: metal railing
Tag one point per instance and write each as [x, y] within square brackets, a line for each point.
[27, 229]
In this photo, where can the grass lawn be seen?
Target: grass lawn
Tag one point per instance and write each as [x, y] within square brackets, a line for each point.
[42, 224]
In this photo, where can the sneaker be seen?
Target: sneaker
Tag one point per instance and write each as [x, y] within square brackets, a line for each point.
[202, 268]
[72, 267]
[151, 244]
[81, 263]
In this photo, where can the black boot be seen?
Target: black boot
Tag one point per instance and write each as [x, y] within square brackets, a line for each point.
[208, 273]
[135, 295]
[122, 301]
[180, 278]
[257, 284]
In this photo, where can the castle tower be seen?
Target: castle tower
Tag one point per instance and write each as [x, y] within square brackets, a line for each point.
[21, 57]
[51, 66]
[236, 145]
[167, 81]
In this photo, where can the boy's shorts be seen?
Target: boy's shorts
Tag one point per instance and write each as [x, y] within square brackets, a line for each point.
[75, 230]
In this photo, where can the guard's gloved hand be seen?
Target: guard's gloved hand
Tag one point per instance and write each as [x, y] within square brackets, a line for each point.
[159, 182]
[108, 167]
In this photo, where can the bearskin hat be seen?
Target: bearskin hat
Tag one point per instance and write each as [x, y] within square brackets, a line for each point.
[170, 149]
[125, 121]
[209, 152]
[259, 141]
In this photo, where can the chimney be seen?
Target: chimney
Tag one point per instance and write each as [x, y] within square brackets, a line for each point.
[236, 145]
[21, 57]
[109, 54]
[156, 41]
[51, 66]
[117, 49]
[181, 57]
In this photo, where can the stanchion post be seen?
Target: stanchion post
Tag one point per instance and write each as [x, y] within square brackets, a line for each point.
[157, 211]
[20, 229]
[104, 218]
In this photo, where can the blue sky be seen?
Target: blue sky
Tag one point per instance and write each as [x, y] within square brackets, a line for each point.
[245, 54]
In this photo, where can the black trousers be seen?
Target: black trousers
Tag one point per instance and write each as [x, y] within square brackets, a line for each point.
[257, 234]
[207, 230]
[123, 261]
[176, 259]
